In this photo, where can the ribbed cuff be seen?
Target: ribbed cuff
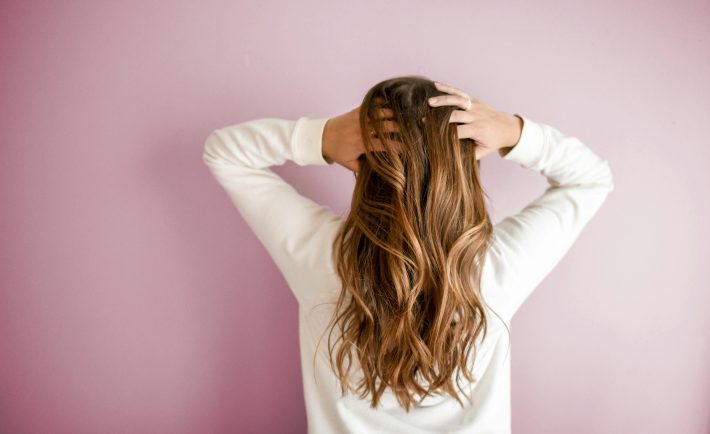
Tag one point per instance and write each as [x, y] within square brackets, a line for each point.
[307, 141]
[530, 145]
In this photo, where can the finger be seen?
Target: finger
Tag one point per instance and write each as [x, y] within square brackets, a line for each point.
[468, 131]
[456, 100]
[384, 113]
[387, 127]
[461, 132]
[390, 126]
[379, 100]
[377, 145]
[450, 89]
[461, 117]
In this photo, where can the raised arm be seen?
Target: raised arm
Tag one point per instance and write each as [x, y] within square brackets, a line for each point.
[527, 245]
[294, 229]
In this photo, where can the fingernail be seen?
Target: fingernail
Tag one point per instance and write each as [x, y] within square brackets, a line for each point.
[432, 100]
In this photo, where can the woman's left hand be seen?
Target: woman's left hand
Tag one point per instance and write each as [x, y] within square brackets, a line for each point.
[490, 129]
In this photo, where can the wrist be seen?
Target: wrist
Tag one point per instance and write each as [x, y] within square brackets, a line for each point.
[516, 130]
[327, 140]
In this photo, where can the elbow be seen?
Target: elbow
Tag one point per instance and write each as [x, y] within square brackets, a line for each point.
[211, 148]
[599, 176]
[608, 176]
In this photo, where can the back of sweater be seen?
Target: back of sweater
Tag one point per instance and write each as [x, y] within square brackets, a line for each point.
[298, 234]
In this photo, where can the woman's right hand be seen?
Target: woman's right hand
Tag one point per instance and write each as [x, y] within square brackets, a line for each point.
[490, 129]
[342, 137]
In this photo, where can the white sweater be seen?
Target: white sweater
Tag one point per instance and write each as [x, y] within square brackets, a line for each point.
[297, 232]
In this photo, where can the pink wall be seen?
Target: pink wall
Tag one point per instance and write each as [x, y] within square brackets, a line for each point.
[134, 299]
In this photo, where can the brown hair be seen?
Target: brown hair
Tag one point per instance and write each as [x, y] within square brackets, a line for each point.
[410, 251]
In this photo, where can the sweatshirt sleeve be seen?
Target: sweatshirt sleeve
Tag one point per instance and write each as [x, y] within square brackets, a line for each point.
[527, 245]
[295, 230]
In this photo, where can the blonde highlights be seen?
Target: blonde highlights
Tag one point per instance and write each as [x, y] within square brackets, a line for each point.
[410, 253]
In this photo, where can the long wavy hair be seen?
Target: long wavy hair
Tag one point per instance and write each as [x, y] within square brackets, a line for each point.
[410, 252]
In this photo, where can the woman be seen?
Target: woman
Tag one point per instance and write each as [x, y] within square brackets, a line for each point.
[415, 286]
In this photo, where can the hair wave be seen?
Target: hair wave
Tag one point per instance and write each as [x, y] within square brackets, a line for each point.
[410, 252]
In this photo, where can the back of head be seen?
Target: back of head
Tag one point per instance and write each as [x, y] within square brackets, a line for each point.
[409, 253]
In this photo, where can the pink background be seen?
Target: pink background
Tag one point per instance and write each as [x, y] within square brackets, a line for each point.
[133, 297]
